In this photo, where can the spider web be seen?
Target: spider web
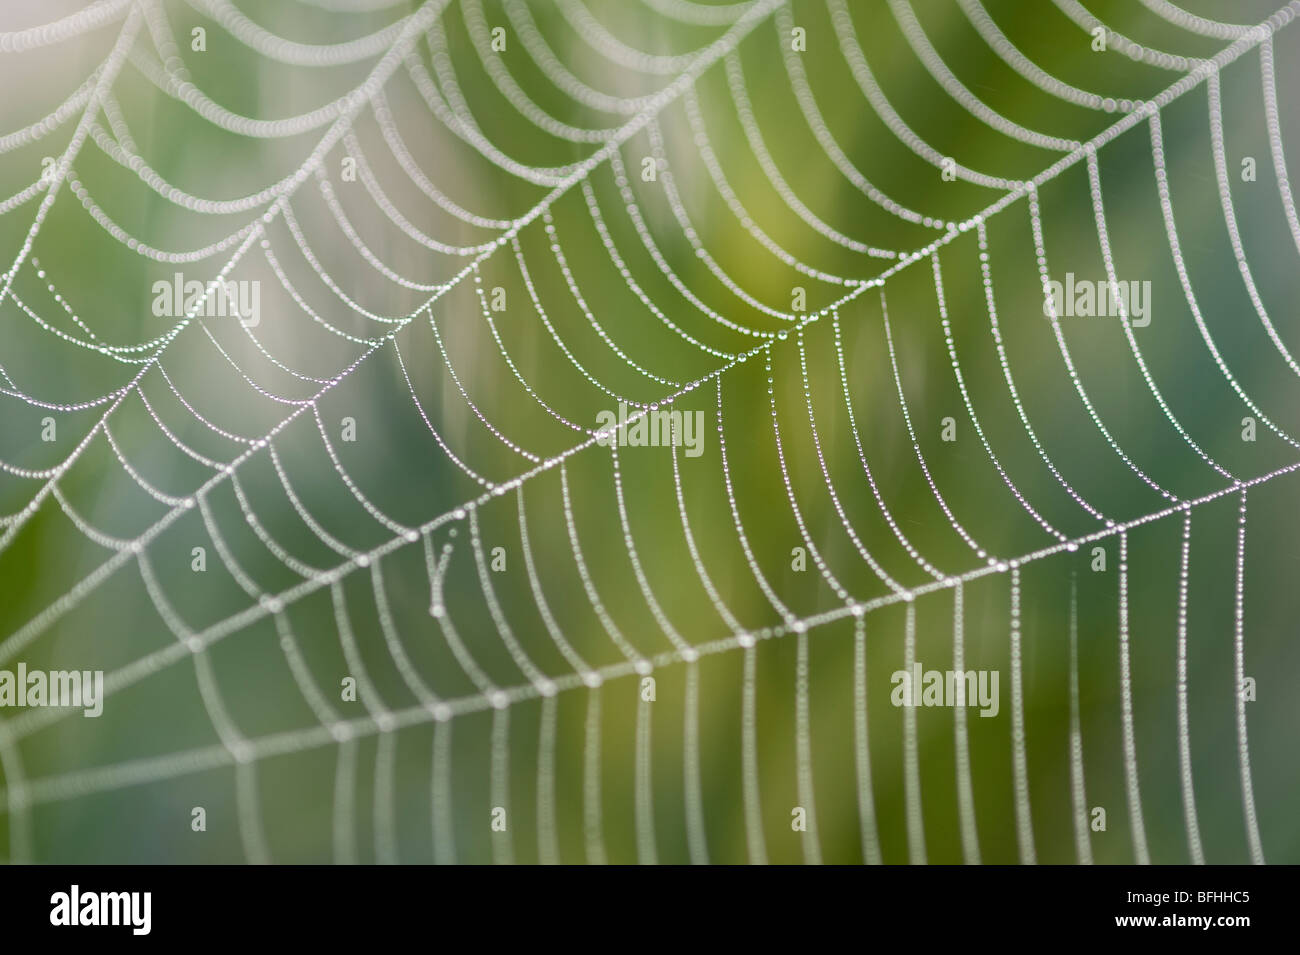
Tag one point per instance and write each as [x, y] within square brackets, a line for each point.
[627, 653]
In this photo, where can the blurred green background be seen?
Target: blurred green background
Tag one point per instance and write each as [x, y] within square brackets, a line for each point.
[122, 788]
